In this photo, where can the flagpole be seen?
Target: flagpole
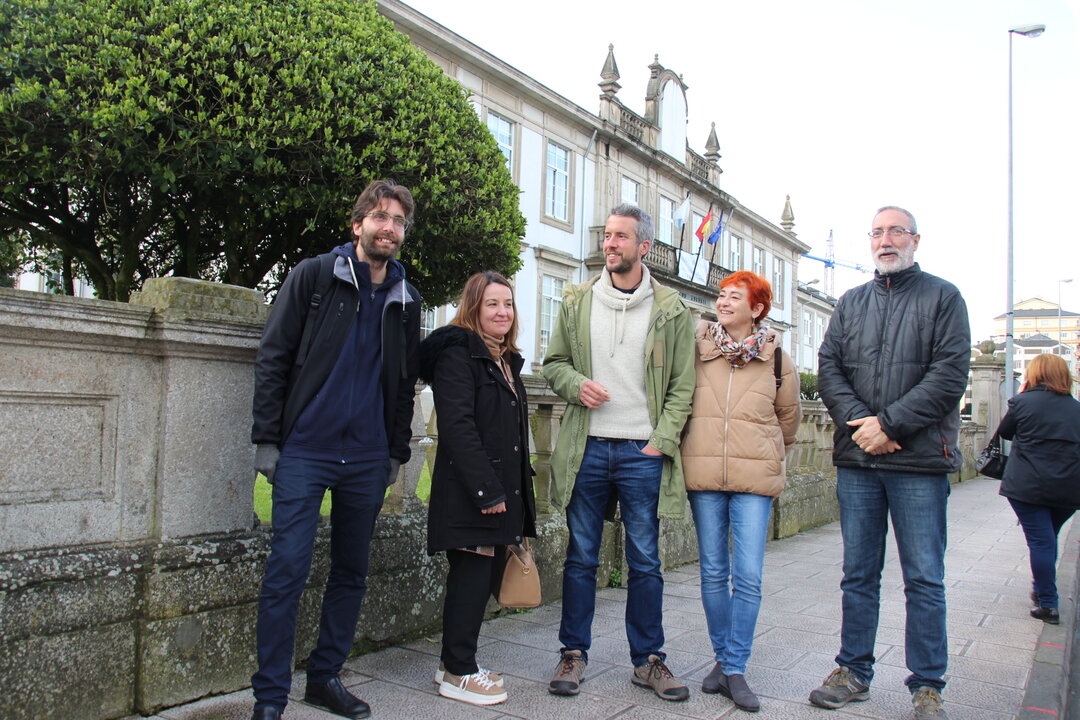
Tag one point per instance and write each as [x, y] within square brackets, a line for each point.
[701, 241]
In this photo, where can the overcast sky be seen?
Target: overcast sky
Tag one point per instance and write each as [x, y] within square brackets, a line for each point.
[847, 105]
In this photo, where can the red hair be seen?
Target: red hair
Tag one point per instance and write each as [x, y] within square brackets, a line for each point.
[758, 290]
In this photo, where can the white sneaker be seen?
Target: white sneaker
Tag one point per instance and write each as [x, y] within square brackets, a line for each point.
[477, 688]
[497, 679]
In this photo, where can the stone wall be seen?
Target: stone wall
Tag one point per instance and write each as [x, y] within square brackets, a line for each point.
[129, 560]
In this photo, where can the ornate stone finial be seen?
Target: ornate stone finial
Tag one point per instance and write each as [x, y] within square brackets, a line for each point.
[610, 74]
[712, 146]
[787, 218]
[987, 347]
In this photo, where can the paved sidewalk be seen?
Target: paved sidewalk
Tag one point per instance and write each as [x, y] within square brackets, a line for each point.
[992, 642]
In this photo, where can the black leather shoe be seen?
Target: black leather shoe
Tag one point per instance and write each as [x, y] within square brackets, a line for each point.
[334, 697]
[1047, 615]
[266, 713]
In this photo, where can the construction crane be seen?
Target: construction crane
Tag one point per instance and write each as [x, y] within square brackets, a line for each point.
[831, 263]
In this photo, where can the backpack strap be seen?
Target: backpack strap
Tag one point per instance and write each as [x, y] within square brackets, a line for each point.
[322, 289]
[777, 367]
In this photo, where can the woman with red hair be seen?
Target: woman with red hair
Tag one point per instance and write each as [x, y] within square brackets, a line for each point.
[1042, 477]
[745, 415]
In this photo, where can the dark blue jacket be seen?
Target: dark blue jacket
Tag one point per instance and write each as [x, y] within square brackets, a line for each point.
[899, 348]
[288, 379]
[1044, 461]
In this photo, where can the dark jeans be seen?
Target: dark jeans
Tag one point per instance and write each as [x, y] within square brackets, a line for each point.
[619, 466]
[357, 491]
[1041, 526]
[916, 505]
[468, 586]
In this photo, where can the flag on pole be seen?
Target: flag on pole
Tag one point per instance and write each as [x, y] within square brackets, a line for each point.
[715, 236]
[703, 228]
[681, 212]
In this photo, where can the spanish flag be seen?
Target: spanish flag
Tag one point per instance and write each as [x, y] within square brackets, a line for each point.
[703, 228]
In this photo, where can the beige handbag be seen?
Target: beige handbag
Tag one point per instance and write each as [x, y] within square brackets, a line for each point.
[520, 586]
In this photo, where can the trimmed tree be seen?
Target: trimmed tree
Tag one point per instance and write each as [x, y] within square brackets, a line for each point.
[227, 140]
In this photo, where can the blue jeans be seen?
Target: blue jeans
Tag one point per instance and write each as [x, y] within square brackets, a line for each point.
[357, 491]
[615, 466]
[1041, 527]
[731, 571]
[916, 505]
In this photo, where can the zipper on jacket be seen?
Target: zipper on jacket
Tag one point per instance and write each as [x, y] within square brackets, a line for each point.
[727, 416]
[881, 344]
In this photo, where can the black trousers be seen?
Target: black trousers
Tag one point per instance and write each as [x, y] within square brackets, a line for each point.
[468, 586]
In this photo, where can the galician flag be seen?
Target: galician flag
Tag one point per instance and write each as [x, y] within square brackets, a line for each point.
[681, 212]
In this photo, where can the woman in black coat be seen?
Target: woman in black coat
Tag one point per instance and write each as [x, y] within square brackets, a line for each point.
[1042, 477]
[481, 488]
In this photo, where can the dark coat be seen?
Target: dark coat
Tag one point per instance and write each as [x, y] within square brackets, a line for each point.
[483, 453]
[286, 381]
[1044, 461]
[898, 347]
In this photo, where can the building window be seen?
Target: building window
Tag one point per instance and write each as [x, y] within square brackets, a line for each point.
[557, 185]
[629, 193]
[551, 294]
[778, 280]
[735, 254]
[758, 257]
[427, 321]
[503, 132]
[665, 227]
[808, 355]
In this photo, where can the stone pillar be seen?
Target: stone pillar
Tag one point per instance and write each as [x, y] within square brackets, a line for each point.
[987, 376]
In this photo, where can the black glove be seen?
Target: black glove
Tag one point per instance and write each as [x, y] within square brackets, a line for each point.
[391, 477]
[266, 459]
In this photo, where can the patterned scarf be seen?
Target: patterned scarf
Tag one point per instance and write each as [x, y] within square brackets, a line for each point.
[737, 353]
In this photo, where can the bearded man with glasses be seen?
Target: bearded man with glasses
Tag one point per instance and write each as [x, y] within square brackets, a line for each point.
[891, 370]
[335, 377]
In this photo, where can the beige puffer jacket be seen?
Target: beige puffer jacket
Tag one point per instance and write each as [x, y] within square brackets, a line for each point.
[741, 424]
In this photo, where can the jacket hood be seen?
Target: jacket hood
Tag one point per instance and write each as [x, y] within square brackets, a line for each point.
[395, 271]
[433, 345]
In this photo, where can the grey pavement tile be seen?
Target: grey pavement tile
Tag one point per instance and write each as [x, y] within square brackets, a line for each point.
[682, 590]
[829, 609]
[509, 659]
[799, 639]
[981, 650]
[1020, 623]
[797, 621]
[684, 619]
[983, 694]
[985, 671]
[544, 615]
[694, 643]
[956, 616]
[616, 685]
[399, 666]
[532, 701]
[997, 637]
[682, 604]
[513, 630]
[393, 702]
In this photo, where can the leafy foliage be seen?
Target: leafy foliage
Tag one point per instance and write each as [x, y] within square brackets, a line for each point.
[808, 389]
[227, 140]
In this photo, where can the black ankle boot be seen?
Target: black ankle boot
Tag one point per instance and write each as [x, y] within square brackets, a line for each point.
[1047, 615]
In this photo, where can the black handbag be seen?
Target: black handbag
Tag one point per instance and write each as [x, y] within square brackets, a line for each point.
[991, 461]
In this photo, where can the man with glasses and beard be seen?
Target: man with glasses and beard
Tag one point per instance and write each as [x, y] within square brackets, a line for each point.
[891, 370]
[335, 377]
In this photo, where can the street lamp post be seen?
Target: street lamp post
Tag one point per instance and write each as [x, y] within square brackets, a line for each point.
[1060, 283]
[1026, 31]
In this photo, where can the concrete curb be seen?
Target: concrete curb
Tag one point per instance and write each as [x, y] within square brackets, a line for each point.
[1047, 693]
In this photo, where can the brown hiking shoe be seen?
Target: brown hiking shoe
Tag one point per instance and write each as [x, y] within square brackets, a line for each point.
[568, 675]
[927, 702]
[656, 675]
[840, 688]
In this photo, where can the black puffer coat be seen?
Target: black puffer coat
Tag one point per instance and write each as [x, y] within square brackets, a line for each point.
[1044, 461]
[899, 348]
[483, 453]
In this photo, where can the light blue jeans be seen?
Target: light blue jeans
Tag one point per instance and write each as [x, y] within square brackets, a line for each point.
[731, 570]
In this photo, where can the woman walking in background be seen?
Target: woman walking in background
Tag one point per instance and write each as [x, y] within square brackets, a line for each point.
[745, 415]
[481, 488]
[1042, 477]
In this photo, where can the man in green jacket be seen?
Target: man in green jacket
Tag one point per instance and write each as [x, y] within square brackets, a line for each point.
[622, 356]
